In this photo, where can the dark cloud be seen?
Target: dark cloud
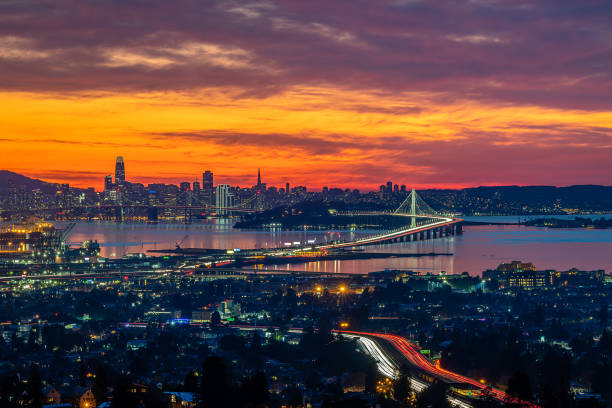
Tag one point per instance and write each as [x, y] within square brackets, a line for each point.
[548, 53]
[555, 155]
[86, 143]
[318, 145]
[64, 176]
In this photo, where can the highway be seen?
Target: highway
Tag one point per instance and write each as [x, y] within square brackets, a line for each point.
[416, 359]
[389, 368]
[390, 235]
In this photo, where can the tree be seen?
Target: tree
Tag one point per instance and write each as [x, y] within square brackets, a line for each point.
[215, 386]
[605, 343]
[602, 378]
[590, 403]
[554, 381]
[313, 381]
[371, 378]
[358, 318]
[100, 384]
[215, 318]
[519, 386]
[35, 387]
[401, 387]
[603, 313]
[16, 343]
[256, 342]
[191, 382]
[255, 390]
[232, 342]
[294, 397]
[122, 397]
[32, 340]
[82, 374]
[434, 396]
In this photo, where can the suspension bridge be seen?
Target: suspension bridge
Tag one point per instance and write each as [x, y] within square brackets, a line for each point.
[424, 223]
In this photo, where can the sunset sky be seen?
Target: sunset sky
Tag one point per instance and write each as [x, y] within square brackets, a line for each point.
[354, 93]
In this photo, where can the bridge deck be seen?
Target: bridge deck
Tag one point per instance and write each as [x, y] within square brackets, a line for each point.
[395, 234]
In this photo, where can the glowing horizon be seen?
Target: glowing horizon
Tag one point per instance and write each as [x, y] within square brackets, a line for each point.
[341, 98]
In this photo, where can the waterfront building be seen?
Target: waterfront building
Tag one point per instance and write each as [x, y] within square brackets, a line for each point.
[525, 275]
[40, 241]
[516, 266]
[224, 198]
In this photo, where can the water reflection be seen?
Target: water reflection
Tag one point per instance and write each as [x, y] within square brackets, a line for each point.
[479, 248]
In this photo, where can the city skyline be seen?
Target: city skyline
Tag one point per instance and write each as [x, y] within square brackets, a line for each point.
[266, 203]
[433, 94]
[244, 180]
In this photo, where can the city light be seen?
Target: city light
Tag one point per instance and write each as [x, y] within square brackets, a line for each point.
[304, 204]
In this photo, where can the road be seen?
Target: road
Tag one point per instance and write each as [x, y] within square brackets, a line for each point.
[416, 359]
[388, 367]
[391, 235]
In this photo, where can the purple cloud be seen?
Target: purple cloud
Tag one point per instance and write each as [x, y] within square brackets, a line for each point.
[547, 53]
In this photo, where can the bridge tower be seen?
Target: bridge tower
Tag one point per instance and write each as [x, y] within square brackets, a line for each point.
[413, 208]
[414, 205]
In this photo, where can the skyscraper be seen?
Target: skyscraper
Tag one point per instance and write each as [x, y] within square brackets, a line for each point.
[119, 171]
[260, 186]
[224, 198]
[108, 183]
[207, 186]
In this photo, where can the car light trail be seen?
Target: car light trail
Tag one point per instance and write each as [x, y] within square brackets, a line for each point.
[417, 359]
[383, 362]
[389, 369]
[442, 221]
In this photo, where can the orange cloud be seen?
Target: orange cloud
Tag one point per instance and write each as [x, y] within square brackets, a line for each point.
[310, 136]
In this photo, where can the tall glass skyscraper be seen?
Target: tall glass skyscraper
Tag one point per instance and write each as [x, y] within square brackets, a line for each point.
[119, 171]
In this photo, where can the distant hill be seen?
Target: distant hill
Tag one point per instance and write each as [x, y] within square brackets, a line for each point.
[27, 182]
[521, 199]
[488, 200]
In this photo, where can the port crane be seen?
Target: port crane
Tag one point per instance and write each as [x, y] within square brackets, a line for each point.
[179, 243]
